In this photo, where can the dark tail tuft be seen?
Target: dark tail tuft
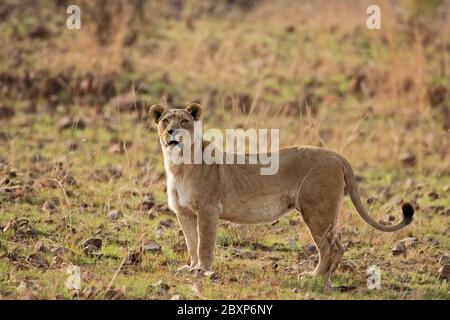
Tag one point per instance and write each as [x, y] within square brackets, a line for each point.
[408, 212]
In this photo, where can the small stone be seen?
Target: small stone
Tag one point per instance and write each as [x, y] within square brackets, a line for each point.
[90, 293]
[167, 223]
[176, 297]
[133, 258]
[57, 262]
[114, 214]
[72, 145]
[295, 290]
[37, 260]
[398, 249]
[311, 249]
[433, 195]
[26, 286]
[59, 251]
[151, 246]
[147, 203]
[445, 259]
[39, 247]
[212, 275]
[161, 286]
[92, 245]
[49, 206]
[444, 272]
[407, 159]
[409, 242]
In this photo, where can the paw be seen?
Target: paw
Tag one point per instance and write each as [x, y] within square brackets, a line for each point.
[202, 273]
[185, 269]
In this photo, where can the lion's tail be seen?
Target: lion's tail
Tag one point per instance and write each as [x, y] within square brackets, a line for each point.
[350, 182]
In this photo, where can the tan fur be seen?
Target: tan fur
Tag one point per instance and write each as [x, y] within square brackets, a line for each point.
[310, 180]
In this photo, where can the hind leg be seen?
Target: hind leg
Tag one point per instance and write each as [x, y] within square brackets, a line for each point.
[319, 200]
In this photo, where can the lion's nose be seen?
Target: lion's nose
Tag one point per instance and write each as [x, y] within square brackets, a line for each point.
[170, 131]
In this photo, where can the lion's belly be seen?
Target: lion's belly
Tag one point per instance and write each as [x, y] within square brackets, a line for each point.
[258, 209]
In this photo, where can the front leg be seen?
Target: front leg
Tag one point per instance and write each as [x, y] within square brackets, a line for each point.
[207, 224]
[188, 222]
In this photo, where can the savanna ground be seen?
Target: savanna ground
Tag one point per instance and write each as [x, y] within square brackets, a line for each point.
[76, 142]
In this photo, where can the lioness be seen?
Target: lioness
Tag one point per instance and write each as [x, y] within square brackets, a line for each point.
[310, 180]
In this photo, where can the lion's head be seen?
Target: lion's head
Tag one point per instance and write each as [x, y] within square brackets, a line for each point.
[174, 124]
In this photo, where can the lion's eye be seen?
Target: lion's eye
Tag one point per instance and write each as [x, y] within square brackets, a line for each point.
[165, 121]
[184, 121]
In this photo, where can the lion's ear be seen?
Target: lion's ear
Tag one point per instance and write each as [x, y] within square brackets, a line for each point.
[156, 112]
[195, 110]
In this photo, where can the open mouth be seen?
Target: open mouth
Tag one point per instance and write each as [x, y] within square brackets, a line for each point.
[173, 143]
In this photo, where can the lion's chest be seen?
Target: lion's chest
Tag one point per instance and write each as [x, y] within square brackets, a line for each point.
[178, 192]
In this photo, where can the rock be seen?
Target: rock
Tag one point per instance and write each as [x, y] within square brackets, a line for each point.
[39, 32]
[133, 258]
[57, 262]
[398, 249]
[311, 249]
[433, 195]
[409, 242]
[212, 275]
[6, 112]
[39, 247]
[206, 274]
[295, 290]
[401, 245]
[147, 203]
[444, 272]
[348, 266]
[167, 223]
[59, 251]
[407, 159]
[161, 286]
[176, 297]
[445, 259]
[49, 206]
[90, 293]
[114, 294]
[37, 260]
[26, 287]
[92, 245]
[151, 246]
[72, 145]
[114, 214]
